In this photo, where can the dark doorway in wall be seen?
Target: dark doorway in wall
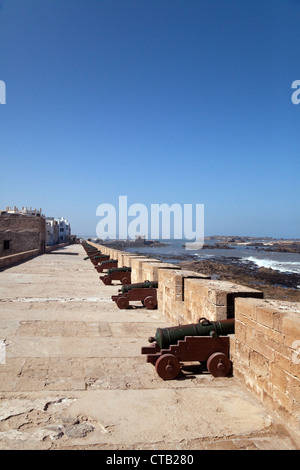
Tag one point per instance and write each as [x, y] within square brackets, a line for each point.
[6, 245]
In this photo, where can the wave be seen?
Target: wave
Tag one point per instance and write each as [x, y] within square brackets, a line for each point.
[282, 266]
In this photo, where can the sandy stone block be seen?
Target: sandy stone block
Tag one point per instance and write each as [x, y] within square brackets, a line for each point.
[12, 366]
[259, 364]
[240, 331]
[246, 307]
[241, 352]
[291, 330]
[265, 316]
[7, 382]
[293, 387]
[245, 319]
[270, 334]
[30, 384]
[217, 297]
[268, 341]
[278, 377]
[196, 286]
[258, 345]
[287, 361]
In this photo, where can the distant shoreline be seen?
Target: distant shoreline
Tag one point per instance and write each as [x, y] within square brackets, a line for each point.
[221, 242]
[274, 284]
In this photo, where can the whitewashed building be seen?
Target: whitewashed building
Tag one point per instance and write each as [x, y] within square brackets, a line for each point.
[64, 230]
[52, 229]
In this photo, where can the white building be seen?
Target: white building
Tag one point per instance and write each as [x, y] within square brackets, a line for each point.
[64, 230]
[58, 231]
[52, 228]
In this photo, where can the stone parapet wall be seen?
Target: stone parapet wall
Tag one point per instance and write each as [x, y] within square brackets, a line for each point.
[266, 354]
[11, 260]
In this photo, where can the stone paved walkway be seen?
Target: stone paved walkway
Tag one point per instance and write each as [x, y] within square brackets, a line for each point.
[74, 377]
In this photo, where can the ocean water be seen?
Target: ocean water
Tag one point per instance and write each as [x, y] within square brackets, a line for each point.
[174, 250]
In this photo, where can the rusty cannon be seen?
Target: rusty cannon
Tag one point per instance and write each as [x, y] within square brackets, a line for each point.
[106, 264]
[206, 342]
[117, 274]
[146, 292]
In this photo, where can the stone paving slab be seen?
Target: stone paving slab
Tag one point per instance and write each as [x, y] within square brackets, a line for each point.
[74, 377]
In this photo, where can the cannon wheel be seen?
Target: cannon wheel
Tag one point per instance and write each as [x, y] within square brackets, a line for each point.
[218, 364]
[122, 302]
[167, 366]
[125, 280]
[106, 280]
[149, 302]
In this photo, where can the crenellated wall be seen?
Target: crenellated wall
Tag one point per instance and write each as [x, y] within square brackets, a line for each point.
[265, 349]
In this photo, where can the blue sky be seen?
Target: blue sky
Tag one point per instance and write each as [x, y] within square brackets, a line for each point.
[164, 101]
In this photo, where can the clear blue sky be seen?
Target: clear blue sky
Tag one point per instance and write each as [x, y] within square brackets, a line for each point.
[165, 101]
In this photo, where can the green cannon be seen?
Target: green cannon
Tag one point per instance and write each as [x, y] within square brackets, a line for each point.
[117, 274]
[206, 342]
[125, 269]
[164, 337]
[139, 285]
[146, 292]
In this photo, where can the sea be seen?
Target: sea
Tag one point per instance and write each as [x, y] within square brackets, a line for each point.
[171, 251]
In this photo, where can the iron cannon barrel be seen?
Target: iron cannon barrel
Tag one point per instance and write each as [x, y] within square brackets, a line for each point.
[100, 256]
[139, 285]
[164, 337]
[125, 269]
[110, 261]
